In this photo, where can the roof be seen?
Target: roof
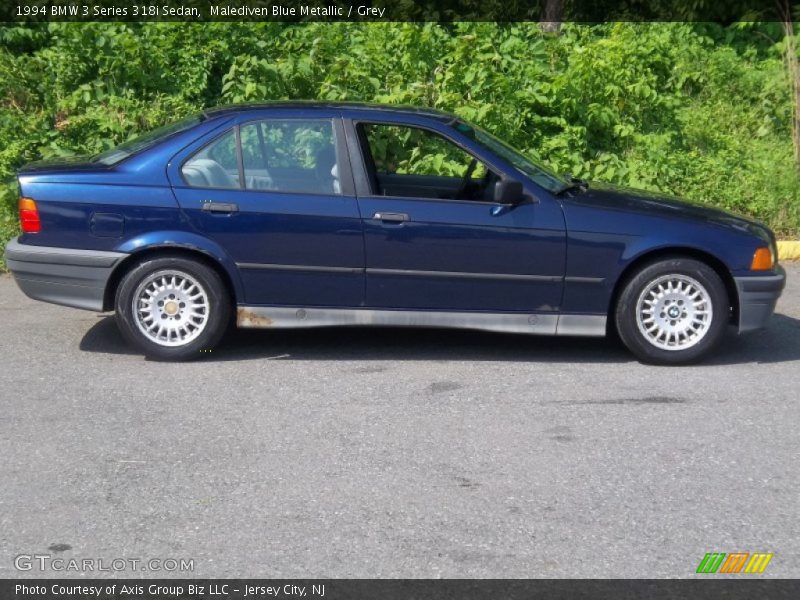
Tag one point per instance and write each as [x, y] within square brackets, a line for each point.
[311, 104]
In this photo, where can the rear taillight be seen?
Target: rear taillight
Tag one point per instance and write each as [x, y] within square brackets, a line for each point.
[29, 216]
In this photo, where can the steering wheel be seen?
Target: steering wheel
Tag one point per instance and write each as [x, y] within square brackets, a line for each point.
[462, 187]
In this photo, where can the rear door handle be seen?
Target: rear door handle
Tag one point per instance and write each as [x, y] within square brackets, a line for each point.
[388, 217]
[220, 207]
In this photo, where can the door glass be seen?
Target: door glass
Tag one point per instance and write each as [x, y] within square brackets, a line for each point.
[290, 155]
[409, 161]
[214, 166]
[253, 156]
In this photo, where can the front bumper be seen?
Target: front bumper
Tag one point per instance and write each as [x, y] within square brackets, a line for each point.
[757, 298]
[63, 276]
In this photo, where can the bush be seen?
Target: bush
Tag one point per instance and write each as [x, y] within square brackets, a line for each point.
[696, 110]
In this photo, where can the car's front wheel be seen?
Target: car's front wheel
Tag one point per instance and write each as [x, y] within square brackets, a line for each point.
[672, 311]
[172, 308]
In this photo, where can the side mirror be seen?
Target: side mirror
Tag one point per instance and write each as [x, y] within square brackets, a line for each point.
[508, 191]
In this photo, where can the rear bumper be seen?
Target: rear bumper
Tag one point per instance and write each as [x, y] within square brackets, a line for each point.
[757, 299]
[63, 276]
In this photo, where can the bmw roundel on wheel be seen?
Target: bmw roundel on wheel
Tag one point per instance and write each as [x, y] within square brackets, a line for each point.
[322, 214]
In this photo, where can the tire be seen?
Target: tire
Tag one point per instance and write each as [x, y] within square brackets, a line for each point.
[182, 312]
[672, 311]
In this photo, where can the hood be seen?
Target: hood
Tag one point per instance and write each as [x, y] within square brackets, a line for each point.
[606, 195]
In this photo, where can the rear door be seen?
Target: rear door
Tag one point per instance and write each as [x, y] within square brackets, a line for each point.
[435, 238]
[276, 193]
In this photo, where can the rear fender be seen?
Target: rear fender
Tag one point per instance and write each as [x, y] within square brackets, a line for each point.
[184, 240]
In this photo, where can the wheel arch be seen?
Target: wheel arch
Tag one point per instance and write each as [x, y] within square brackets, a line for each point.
[192, 253]
[669, 252]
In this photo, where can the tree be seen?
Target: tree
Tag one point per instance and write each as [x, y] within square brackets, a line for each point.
[793, 71]
[551, 16]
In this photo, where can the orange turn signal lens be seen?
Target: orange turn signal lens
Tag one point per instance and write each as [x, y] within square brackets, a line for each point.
[29, 216]
[27, 204]
[762, 260]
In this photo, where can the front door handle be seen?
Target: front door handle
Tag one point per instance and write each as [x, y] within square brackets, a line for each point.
[220, 207]
[390, 217]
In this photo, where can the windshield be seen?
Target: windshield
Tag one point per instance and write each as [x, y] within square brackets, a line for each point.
[539, 173]
[151, 138]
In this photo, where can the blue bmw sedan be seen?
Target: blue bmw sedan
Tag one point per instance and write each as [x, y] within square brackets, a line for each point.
[319, 214]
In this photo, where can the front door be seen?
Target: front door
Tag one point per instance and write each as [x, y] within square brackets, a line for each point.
[435, 238]
[276, 194]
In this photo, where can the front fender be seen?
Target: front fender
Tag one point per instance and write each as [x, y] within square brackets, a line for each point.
[732, 253]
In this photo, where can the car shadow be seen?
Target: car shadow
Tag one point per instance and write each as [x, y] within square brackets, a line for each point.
[780, 342]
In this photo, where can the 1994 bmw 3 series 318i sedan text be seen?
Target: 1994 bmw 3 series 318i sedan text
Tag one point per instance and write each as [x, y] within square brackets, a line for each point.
[313, 214]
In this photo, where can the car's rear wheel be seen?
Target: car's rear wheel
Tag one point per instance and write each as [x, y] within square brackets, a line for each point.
[672, 311]
[172, 308]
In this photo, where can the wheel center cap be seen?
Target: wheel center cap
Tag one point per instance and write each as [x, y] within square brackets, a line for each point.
[674, 312]
[171, 307]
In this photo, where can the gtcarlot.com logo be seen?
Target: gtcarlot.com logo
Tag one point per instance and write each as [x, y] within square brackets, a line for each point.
[734, 562]
[45, 562]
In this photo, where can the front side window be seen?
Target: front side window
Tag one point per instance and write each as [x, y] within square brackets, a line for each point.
[413, 162]
[414, 151]
[536, 171]
[278, 155]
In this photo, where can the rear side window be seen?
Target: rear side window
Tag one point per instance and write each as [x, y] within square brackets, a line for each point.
[215, 166]
[287, 155]
[279, 155]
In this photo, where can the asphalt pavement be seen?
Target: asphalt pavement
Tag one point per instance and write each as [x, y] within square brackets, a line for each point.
[393, 453]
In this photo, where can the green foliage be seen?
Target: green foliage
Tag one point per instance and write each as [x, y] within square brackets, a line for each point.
[696, 110]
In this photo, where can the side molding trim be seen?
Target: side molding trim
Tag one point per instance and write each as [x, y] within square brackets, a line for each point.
[463, 275]
[303, 268]
[399, 272]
